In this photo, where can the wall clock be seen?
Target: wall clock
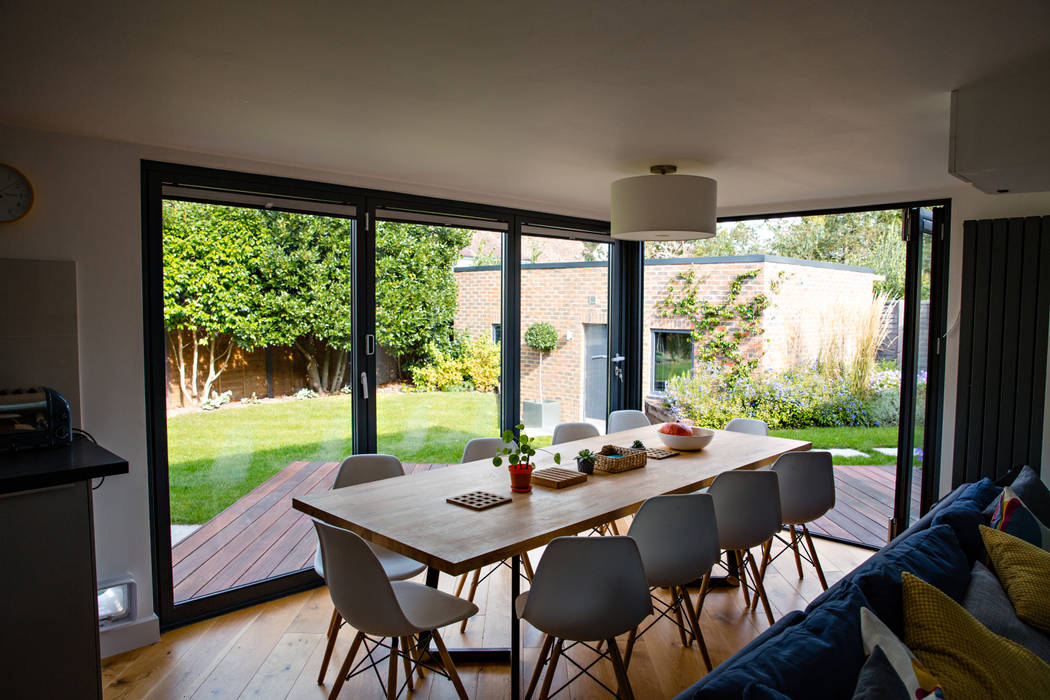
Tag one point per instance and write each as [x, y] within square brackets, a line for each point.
[16, 194]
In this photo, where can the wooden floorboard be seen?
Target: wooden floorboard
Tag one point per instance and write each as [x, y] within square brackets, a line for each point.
[274, 650]
[260, 536]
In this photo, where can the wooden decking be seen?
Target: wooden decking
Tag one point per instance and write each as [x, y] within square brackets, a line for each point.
[261, 536]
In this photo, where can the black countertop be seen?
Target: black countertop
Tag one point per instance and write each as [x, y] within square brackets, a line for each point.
[36, 469]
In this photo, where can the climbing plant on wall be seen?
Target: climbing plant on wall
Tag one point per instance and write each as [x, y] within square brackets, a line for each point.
[721, 328]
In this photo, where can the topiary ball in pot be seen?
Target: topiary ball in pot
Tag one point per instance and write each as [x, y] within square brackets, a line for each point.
[541, 336]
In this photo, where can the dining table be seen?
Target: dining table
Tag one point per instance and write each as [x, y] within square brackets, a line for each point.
[410, 514]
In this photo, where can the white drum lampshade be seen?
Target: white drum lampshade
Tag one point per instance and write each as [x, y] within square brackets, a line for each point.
[664, 207]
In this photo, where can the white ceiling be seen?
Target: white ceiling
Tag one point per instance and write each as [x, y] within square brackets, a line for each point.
[545, 102]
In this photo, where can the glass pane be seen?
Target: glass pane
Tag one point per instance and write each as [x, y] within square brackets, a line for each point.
[257, 311]
[564, 332]
[438, 315]
[672, 355]
[793, 321]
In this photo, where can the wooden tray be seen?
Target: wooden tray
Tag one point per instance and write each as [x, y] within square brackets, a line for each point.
[557, 478]
[660, 453]
[478, 500]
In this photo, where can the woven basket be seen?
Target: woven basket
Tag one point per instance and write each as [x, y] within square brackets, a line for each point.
[628, 459]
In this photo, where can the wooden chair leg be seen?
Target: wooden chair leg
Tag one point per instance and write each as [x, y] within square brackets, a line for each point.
[406, 649]
[816, 559]
[760, 590]
[527, 563]
[694, 619]
[461, 583]
[470, 597]
[794, 548]
[391, 673]
[545, 650]
[345, 668]
[742, 573]
[629, 649]
[612, 526]
[333, 632]
[622, 681]
[417, 655]
[545, 689]
[450, 667]
[767, 548]
[677, 604]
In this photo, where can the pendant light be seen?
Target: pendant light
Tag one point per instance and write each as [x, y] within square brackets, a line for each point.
[663, 206]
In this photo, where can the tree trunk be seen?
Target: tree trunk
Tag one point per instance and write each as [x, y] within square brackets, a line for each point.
[325, 366]
[313, 378]
[223, 362]
[340, 370]
[196, 367]
[178, 349]
[540, 376]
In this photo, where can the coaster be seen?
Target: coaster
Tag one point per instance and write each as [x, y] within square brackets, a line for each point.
[658, 453]
[557, 478]
[478, 500]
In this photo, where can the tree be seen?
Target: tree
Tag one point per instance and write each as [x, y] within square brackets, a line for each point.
[416, 292]
[211, 299]
[740, 238]
[541, 337]
[867, 239]
[304, 274]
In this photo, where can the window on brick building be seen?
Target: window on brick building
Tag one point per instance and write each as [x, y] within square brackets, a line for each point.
[672, 357]
[497, 333]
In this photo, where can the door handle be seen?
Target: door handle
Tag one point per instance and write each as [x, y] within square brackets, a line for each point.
[618, 358]
[370, 345]
[599, 357]
[364, 385]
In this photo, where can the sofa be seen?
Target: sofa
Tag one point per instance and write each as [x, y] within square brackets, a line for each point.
[818, 652]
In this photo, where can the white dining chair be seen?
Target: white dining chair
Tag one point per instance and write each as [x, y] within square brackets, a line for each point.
[677, 537]
[475, 449]
[586, 590]
[627, 419]
[567, 432]
[751, 426]
[807, 491]
[747, 509]
[379, 609]
[362, 469]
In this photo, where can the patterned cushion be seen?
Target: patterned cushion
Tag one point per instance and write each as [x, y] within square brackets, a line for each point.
[1024, 571]
[878, 680]
[1012, 516]
[967, 659]
[1030, 489]
[917, 680]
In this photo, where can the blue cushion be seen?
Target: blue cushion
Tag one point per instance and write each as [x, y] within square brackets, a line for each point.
[819, 657]
[934, 555]
[966, 513]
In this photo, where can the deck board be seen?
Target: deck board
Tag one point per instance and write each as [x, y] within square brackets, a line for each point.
[261, 536]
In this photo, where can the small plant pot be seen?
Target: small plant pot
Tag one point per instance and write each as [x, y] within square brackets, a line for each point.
[520, 479]
[585, 465]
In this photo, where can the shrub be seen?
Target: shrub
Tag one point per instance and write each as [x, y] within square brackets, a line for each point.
[216, 400]
[848, 354]
[304, 393]
[794, 399]
[481, 363]
[444, 374]
[541, 336]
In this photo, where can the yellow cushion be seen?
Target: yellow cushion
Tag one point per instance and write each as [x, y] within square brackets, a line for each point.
[1024, 571]
[967, 659]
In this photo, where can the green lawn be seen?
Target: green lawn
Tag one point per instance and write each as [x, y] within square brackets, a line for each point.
[216, 457]
[863, 439]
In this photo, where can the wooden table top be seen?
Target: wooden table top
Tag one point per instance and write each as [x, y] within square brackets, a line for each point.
[409, 514]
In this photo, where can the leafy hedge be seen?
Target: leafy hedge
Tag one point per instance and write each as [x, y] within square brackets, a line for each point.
[471, 364]
[798, 398]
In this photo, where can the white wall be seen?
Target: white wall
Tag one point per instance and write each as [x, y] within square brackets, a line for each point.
[88, 210]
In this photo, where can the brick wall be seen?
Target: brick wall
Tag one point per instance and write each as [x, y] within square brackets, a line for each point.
[570, 295]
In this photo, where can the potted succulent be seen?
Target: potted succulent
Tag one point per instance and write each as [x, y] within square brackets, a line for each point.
[519, 458]
[541, 337]
[638, 445]
[585, 461]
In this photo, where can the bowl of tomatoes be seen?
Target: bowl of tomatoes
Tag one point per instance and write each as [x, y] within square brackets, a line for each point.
[689, 438]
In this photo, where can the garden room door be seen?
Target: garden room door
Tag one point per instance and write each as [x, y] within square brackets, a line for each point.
[250, 296]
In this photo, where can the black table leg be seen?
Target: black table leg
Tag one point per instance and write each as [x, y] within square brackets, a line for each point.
[515, 629]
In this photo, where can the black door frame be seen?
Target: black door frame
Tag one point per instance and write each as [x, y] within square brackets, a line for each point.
[154, 176]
